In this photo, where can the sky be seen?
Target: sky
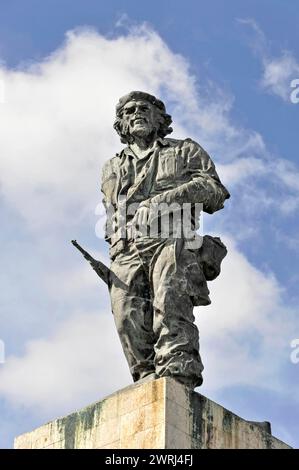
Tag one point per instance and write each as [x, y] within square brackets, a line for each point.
[224, 71]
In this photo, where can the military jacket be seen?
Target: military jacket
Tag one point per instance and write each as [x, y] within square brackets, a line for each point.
[175, 171]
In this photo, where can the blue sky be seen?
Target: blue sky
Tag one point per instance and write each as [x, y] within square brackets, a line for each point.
[224, 70]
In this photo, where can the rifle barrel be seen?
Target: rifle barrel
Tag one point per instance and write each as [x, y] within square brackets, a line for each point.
[102, 271]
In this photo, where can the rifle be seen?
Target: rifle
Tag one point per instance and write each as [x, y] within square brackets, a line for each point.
[101, 269]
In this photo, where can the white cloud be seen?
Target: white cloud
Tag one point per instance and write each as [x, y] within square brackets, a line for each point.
[81, 362]
[241, 169]
[279, 71]
[56, 124]
[264, 185]
[246, 330]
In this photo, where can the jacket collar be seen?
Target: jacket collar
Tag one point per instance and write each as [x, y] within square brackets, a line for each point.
[159, 141]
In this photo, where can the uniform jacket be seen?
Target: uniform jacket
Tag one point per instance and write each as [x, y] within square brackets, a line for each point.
[177, 171]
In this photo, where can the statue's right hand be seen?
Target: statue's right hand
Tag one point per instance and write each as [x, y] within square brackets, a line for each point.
[140, 221]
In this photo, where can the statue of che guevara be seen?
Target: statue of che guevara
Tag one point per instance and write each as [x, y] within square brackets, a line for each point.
[152, 191]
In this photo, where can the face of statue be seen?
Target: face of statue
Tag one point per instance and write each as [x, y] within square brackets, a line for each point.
[140, 117]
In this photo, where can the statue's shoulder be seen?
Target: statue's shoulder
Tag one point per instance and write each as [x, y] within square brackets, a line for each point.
[176, 142]
[171, 142]
[187, 142]
[197, 153]
[193, 154]
[110, 167]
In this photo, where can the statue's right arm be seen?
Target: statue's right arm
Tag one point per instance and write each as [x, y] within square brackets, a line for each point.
[108, 184]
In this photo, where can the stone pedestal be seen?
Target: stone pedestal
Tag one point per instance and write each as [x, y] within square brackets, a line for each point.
[161, 414]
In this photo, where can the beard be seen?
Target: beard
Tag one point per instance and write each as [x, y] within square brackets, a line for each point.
[143, 131]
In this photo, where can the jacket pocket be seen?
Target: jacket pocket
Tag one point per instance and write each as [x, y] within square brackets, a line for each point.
[166, 166]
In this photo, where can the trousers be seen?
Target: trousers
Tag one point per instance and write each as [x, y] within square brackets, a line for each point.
[154, 312]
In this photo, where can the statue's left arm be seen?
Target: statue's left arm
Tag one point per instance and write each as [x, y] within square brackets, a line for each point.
[203, 184]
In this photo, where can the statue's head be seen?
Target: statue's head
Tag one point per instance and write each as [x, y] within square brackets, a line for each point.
[142, 114]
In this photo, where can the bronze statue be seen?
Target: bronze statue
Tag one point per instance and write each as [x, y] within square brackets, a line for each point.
[157, 276]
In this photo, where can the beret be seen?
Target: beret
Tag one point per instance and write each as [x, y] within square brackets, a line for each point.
[139, 95]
